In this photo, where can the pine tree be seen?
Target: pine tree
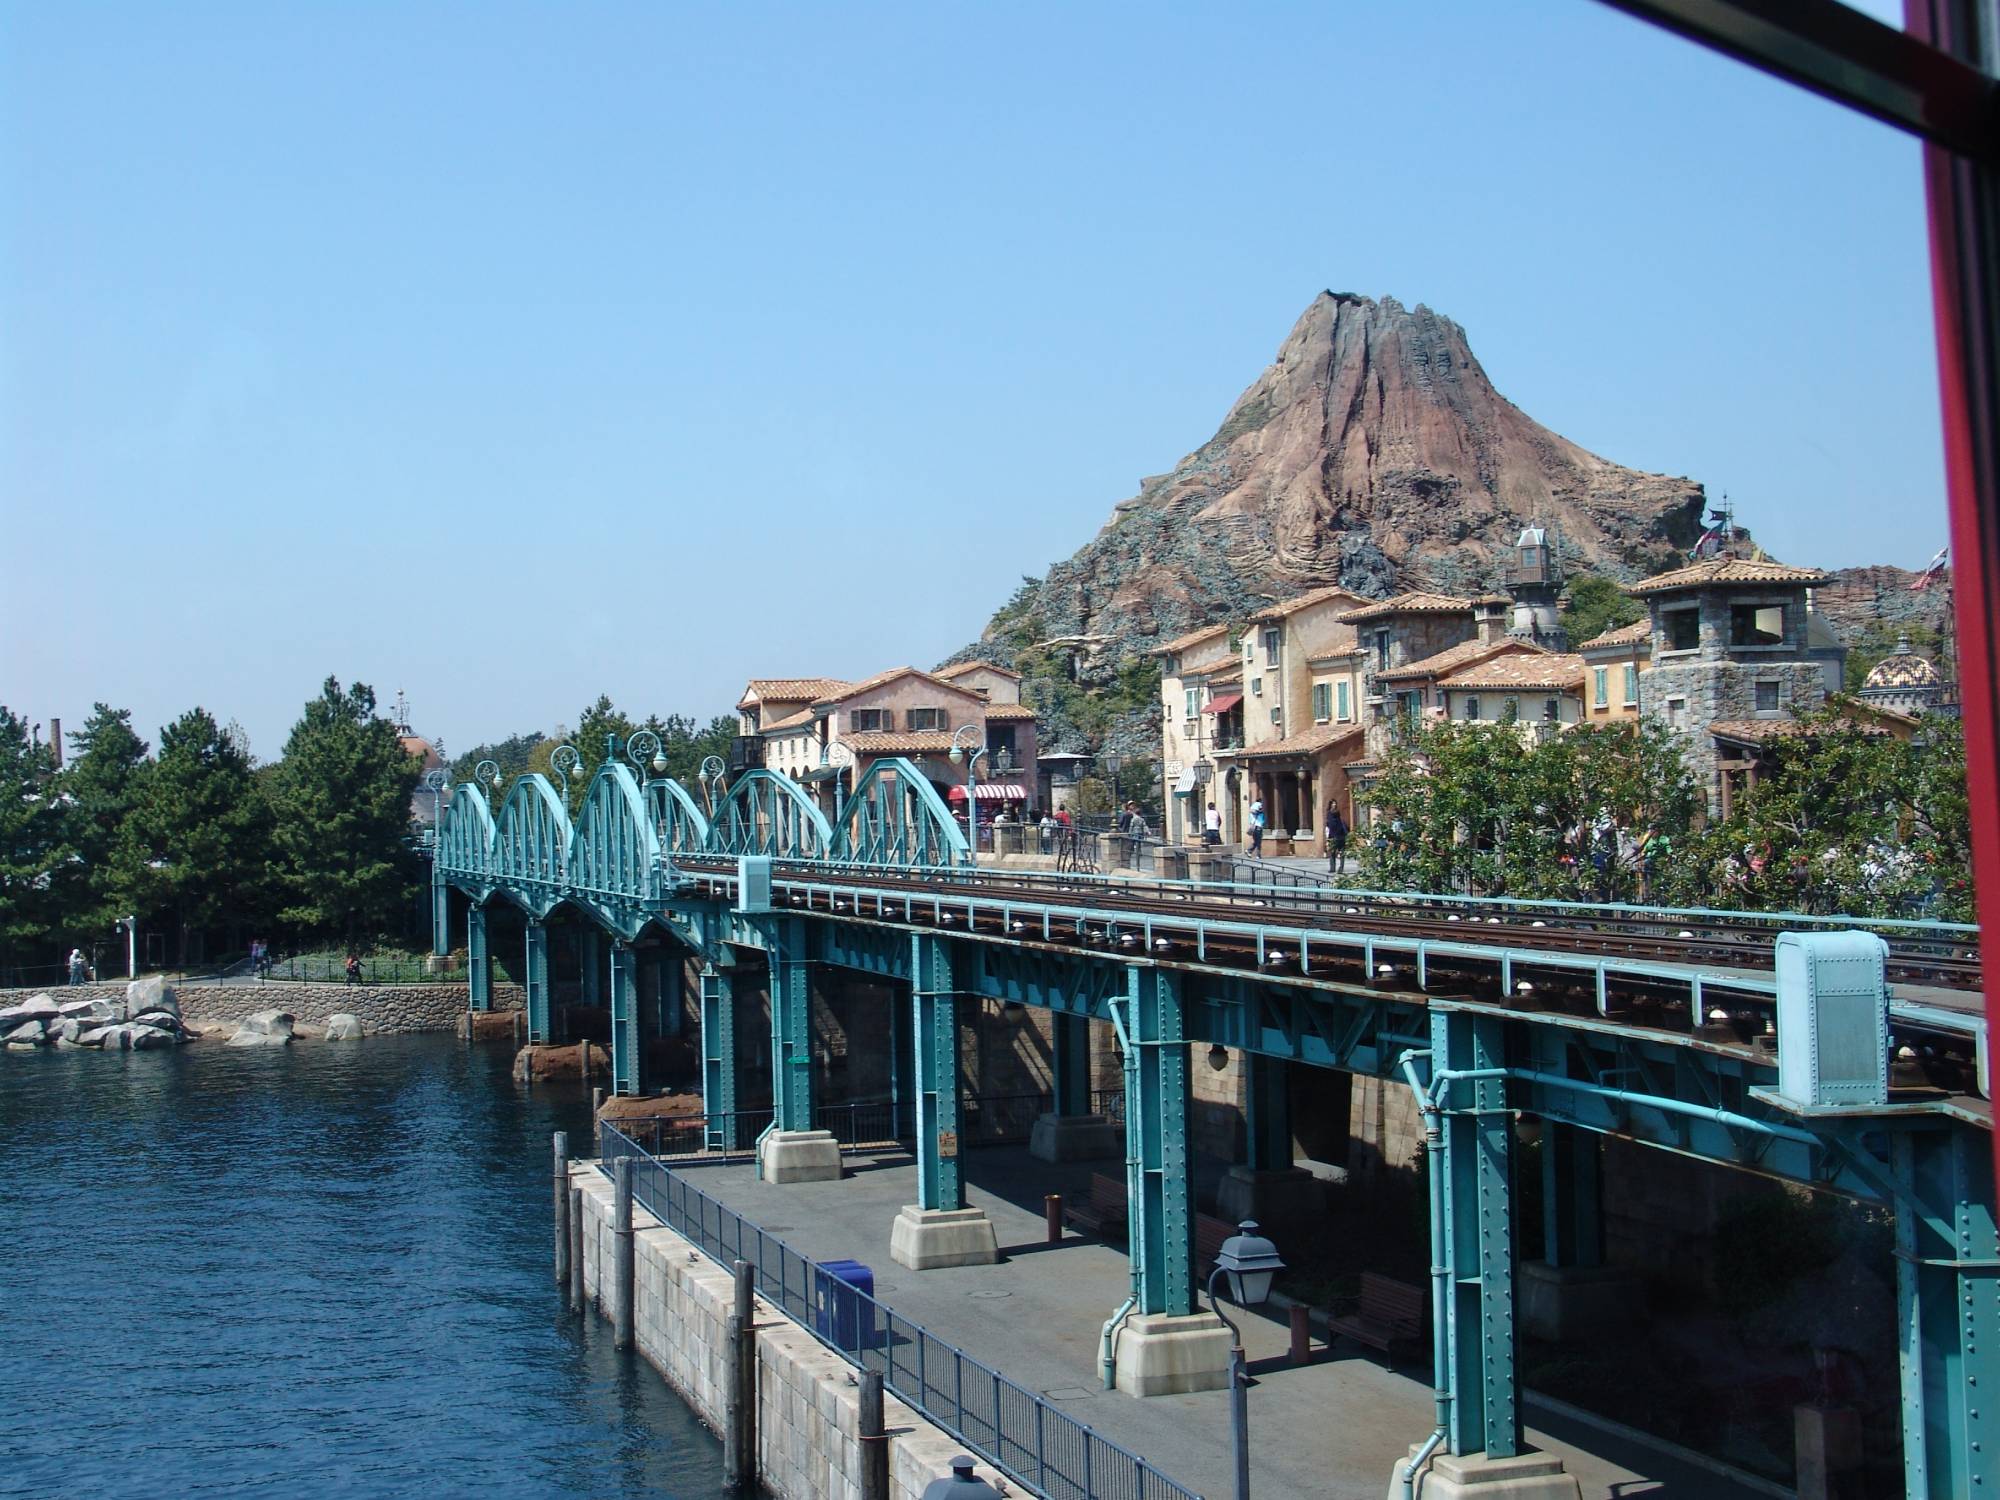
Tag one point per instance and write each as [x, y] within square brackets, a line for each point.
[341, 803]
[33, 848]
[101, 783]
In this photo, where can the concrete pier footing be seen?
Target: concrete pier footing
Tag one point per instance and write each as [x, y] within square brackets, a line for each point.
[929, 1239]
[1564, 1302]
[800, 1156]
[1160, 1354]
[1279, 1201]
[1075, 1138]
[1474, 1476]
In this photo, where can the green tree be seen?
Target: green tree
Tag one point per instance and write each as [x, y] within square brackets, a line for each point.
[101, 783]
[196, 844]
[341, 803]
[1597, 604]
[33, 846]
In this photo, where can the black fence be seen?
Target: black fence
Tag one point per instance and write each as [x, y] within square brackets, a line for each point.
[1012, 1428]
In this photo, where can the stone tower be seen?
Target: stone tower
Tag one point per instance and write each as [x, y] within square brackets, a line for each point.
[1534, 579]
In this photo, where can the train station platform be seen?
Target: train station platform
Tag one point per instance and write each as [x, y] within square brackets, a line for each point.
[1332, 1428]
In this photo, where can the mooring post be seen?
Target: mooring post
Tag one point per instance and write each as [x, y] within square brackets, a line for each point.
[621, 1254]
[739, 1388]
[874, 1440]
[562, 1207]
[576, 1250]
[1052, 1217]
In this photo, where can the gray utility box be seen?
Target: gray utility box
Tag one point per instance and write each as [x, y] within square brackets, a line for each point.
[753, 882]
[1833, 1019]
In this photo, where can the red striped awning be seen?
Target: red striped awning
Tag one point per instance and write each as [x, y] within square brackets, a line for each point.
[1223, 704]
[992, 791]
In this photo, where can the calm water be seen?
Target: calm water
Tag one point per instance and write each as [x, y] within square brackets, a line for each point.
[321, 1270]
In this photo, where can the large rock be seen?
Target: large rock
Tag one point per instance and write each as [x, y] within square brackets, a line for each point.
[94, 1037]
[166, 1020]
[111, 1038]
[95, 1011]
[147, 1038]
[34, 1008]
[344, 1028]
[68, 1029]
[30, 1032]
[264, 1028]
[149, 994]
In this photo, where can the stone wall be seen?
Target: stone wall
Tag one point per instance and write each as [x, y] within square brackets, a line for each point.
[382, 1008]
[808, 1406]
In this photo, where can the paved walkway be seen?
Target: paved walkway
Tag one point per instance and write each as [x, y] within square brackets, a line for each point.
[1329, 1429]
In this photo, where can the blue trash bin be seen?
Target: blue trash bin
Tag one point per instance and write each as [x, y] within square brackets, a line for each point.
[843, 1306]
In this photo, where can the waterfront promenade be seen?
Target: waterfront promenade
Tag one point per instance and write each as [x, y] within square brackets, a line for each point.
[1332, 1428]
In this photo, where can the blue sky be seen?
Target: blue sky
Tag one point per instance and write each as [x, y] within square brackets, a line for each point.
[512, 353]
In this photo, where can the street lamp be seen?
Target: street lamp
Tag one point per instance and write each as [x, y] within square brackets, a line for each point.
[488, 774]
[1249, 1261]
[970, 759]
[565, 760]
[645, 752]
[713, 776]
[1112, 764]
[131, 927]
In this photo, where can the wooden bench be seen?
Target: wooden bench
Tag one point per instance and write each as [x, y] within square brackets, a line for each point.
[1388, 1313]
[1104, 1212]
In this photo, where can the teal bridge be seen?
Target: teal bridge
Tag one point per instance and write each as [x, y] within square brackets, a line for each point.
[1658, 1053]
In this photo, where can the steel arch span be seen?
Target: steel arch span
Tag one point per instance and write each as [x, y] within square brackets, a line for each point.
[895, 817]
[766, 813]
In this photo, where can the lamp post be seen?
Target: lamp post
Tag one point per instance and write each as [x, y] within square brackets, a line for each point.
[1113, 763]
[1249, 1261]
[646, 753]
[713, 777]
[131, 926]
[487, 774]
[566, 760]
[970, 759]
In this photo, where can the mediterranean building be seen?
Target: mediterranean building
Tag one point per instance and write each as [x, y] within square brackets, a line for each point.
[1542, 691]
[1615, 661]
[1905, 682]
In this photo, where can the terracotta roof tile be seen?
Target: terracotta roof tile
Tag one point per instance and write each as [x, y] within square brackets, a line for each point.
[788, 690]
[1725, 570]
[1306, 741]
[1416, 602]
[1193, 637]
[847, 690]
[1298, 602]
[1624, 635]
[952, 674]
[1213, 664]
[1009, 711]
[790, 721]
[1763, 731]
[1544, 670]
[1464, 654]
[889, 742]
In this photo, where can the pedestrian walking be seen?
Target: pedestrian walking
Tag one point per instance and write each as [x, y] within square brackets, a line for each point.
[353, 969]
[76, 965]
[1336, 840]
[1211, 826]
[1256, 829]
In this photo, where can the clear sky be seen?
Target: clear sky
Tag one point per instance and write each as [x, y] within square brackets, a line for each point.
[513, 353]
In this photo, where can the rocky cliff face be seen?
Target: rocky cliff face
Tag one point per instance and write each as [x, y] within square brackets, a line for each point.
[1374, 453]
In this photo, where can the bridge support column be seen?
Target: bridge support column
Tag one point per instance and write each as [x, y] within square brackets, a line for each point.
[938, 1229]
[628, 1042]
[718, 1058]
[1284, 1200]
[792, 1151]
[1069, 1131]
[590, 966]
[1947, 1312]
[1165, 1347]
[478, 962]
[440, 908]
[1482, 1451]
[537, 974]
[1570, 1289]
[668, 1012]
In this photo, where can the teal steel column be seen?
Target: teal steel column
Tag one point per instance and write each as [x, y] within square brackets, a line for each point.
[900, 1060]
[669, 985]
[1157, 1159]
[590, 964]
[718, 1058]
[935, 1010]
[1069, 1063]
[478, 962]
[440, 906]
[1947, 1312]
[791, 1029]
[628, 1044]
[1478, 1144]
[1267, 1113]
[1572, 1182]
[537, 974]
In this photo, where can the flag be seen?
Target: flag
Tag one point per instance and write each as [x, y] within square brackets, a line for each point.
[1706, 537]
[1717, 517]
[1931, 569]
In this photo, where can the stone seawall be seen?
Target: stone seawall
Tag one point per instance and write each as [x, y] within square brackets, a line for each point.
[808, 1406]
[388, 1008]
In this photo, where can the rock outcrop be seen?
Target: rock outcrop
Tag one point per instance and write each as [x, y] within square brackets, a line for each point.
[344, 1027]
[263, 1028]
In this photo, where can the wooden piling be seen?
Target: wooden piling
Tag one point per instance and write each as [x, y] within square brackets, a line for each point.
[739, 1385]
[576, 1250]
[562, 1207]
[874, 1439]
[622, 1272]
[1052, 1217]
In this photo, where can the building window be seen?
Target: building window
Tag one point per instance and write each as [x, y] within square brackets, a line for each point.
[1343, 710]
[1682, 628]
[1601, 684]
[1472, 706]
[1550, 710]
[1172, 668]
[867, 720]
[1631, 684]
[1000, 737]
[1757, 625]
[1767, 697]
[927, 719]
[1513, 709]
[1270, 648]
[1381, 650]
[1256, 687]
[1677, 713]
[1277, 716]
[1322, 702]
[1193, 703]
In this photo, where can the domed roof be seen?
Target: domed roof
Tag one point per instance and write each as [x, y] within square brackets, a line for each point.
[1902, 668]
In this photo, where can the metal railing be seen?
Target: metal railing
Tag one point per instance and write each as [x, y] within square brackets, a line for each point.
[857, 1126]
[1031, 1440]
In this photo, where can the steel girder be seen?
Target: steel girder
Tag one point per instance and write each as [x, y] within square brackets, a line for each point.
[1268, 1117]
[718, 1057]
[1158, 1164]
[479, 963]
[1947, 1312]
[1069, 1047]
[1572, 1196]
[678, 821]
[791, 1025]
[1478, 1234]
[764, 812]
[895, 817]
[934, 1010]
[628, 1044]
[537, 966]
[531, 845]
[617, 869]
[465, 841]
